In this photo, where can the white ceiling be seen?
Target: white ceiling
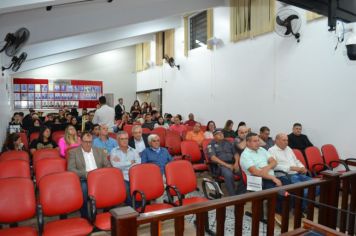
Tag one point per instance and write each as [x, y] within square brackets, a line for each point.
[80, 26]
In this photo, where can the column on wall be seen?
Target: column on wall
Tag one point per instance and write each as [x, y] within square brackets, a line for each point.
[143, 56]
[164, 45]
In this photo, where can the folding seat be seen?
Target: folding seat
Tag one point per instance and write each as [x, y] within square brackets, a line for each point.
[106, 189]
[146, 185]
[128, 129]
[161, 132]
[173, 141]
[44, 153]
[15, 155]
[146, 131]
[315, 161]
[332, 158]
[299, 155]
[34, 136]
[24, 139]
[17, 203]
[49, 166]
[15, 168]
[180, 187]
[61, 194]
[56, 135]
[191, 151]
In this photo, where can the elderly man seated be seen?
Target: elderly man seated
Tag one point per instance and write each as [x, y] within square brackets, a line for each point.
[138, 141]
[155, 154]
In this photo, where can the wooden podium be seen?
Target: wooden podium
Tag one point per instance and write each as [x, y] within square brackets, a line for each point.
[309, 227]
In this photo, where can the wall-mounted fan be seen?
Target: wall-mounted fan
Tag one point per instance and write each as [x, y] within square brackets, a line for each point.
[171, 62]
[15, 41]
[288, 23]
[16, 62]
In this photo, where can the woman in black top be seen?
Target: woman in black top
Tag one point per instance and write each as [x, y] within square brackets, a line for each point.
[13, 142]
[44, 141]
[228, 131]
[135, 109]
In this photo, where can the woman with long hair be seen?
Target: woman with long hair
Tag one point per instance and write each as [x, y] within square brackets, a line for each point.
[135, 109]
[228, 131]
[210, 127]
[69, 140]
[44, 140]
[161, 123]
[13, 142]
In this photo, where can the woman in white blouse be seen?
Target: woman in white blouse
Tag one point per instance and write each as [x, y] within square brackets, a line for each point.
[161, 123]
[210, 127]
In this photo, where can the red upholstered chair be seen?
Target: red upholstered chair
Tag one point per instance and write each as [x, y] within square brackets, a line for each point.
[332, 158]
[173, 141]
[44, 153]
[179, 187]
[61, 194]
[17, 203]
[161, 132]
[231, 140]
[203, 128]
[299, 155]
[128, 129]
[49, 166]
[24, 140]
[15, 155]
[112, 135]
[315, 160]
[34, 136]
[146, 184]
[15, 168]
[57, 135]
[146, 131]
[106, 189]
[191, 151]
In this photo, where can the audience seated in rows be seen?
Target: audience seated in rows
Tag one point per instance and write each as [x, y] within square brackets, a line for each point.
[222, 153]
[156, 154]
[138, 140]
[210, 127]
[123, 157]
[104, 141]
[228, 131]
[69, 140]
[83, 159]
[44, 141]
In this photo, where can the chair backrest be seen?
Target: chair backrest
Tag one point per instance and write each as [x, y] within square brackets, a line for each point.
[34, 136]
[173, 141]
[128, 128]
[161, 132]
[191, 149]
[17, 201]
[60, 193]
[146, 178]
[330, 154]
[57, 135]
[205, 144]
[24, 140]
[174, 177]
[45, 153]
[113, 135]
[299, 155]
[49, 166]
[15, 168]
[15, 155]
[107, 186]
[313, 157]
[146, 131]
[243, 173]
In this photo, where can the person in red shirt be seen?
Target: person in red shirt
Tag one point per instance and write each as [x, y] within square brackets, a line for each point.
[190, 121]
[177, 126]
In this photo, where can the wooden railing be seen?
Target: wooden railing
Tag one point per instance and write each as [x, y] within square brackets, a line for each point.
[126, 220]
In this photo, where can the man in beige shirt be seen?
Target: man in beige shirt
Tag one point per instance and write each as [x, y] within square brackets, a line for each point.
[83, 159]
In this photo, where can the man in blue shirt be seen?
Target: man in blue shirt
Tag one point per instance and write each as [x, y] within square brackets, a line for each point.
[104, 141]
[123, 157]
[155, 154]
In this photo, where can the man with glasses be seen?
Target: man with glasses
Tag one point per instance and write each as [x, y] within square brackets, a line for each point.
[123, 157]
[138, 140]
[155, 154]
[83, 159]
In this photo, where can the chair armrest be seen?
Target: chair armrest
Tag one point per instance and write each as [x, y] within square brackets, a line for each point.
[143, 202]
[351, 161]
[40, 219]
[170, 197]
[283, 173]
[340, 162]
[326, 167]
[188, 157]
[92, 209]
[217, 192]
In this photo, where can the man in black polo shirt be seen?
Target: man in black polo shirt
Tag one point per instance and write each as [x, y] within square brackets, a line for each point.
[222, 153]
[297, 140]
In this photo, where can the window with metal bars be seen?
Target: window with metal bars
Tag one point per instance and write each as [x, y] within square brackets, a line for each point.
[198, 30]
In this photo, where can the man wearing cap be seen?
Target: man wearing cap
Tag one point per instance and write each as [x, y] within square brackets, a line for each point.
[221, 152]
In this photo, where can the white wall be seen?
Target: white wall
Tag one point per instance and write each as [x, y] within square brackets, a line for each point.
[115, 68]
[267, 80]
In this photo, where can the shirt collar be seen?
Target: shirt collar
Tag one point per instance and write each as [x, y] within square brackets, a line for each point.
[156, 150]
[84, 152]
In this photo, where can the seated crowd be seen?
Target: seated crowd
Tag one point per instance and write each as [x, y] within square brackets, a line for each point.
[88, 144]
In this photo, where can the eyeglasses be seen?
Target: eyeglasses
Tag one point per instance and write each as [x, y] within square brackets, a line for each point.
[87, 142]
[157, 140]
[123, 138]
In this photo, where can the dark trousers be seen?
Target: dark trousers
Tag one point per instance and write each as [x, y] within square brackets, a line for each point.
[84, 209]
[267, 184]
[128, 200]
[229, 178]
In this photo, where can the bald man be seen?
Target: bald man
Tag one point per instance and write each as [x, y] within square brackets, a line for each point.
[240, 140]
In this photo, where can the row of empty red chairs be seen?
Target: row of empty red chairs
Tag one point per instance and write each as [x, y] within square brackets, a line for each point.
[60, 194]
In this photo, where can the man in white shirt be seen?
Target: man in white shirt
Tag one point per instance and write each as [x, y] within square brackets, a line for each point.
[138, 141]
[83, 159]
[105, 115]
